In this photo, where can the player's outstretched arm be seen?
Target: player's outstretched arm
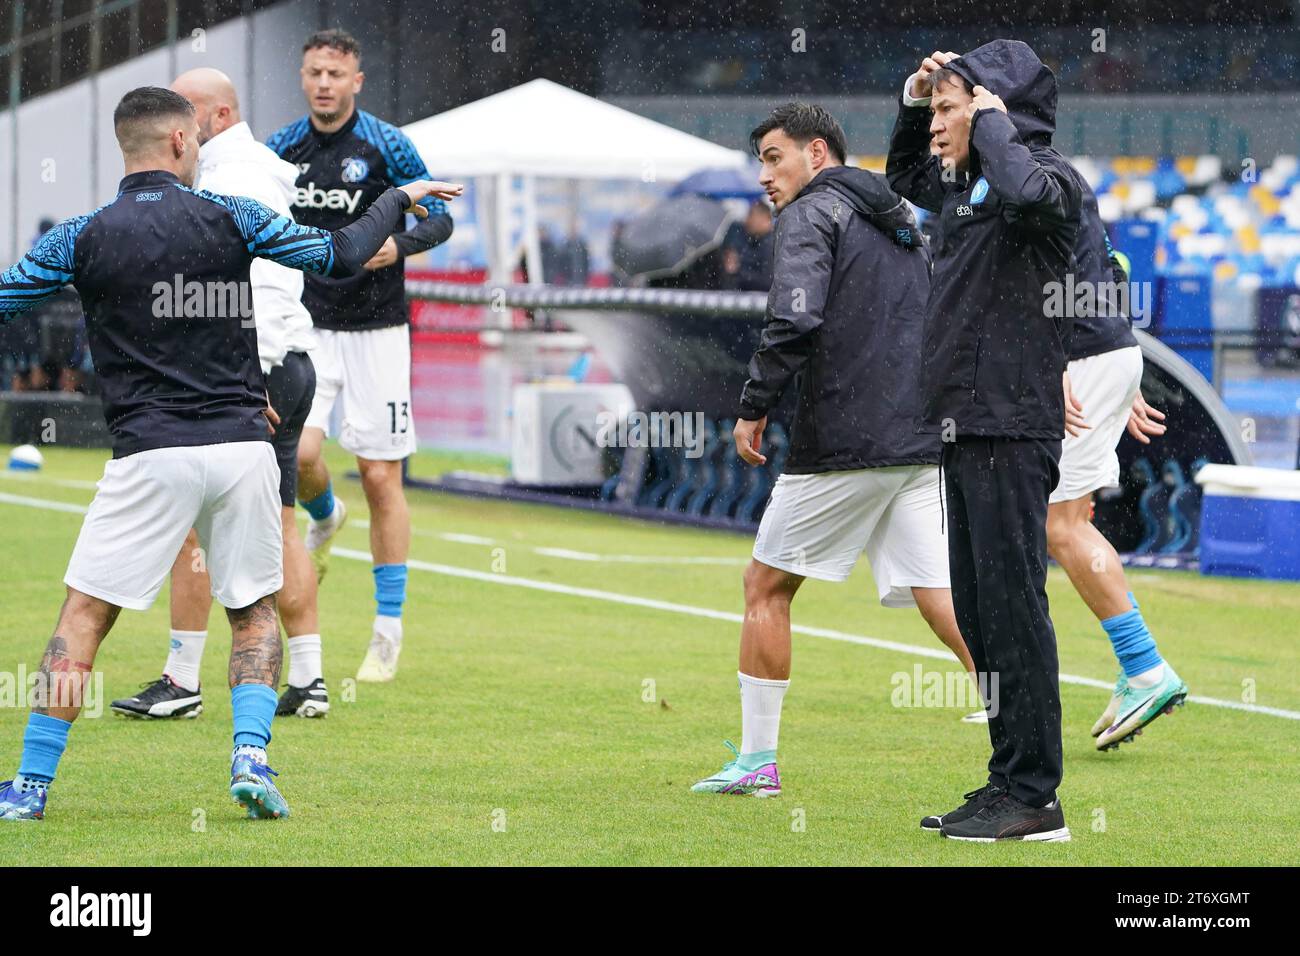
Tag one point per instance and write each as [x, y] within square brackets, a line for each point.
[40, 274]
[434, 226]
[341, 253]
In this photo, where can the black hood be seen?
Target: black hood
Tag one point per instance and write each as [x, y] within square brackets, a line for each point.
[869, 194]
[1014, 72]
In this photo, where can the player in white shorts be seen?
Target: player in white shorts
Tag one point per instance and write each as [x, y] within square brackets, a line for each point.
[185, 402]
[1103, 397]
[347, 158]
[359, 379]
[817, 525]
[232, 162]
[844, 314]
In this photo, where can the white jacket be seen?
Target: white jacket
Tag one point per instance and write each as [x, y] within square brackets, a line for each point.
[235, 164]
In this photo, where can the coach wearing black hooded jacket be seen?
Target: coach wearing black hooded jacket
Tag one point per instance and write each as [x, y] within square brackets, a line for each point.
[1009, 208]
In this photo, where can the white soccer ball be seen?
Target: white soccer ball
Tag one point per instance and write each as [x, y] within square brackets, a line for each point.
[26, 458]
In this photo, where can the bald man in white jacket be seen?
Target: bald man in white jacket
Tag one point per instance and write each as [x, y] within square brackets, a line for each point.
[232, 162]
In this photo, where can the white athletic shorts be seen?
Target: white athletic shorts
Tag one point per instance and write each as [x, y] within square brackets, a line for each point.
[1105, 385]
[147, 502]
[368, 374]
[817, 525]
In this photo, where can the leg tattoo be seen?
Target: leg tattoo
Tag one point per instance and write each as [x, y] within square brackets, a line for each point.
[61, 680]
[255, 650]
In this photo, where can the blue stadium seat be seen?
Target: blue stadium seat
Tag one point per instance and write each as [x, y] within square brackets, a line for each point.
[694, 473]
[1178, 531]
[1150, 503]
[717, 445]
[750, 507]
[731, 476]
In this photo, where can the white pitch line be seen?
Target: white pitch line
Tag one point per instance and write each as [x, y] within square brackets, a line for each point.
[36, 477]
[568, 554]
[465, 538]
[42, 503]
[734, 618]
[571, 555]
[655, 604]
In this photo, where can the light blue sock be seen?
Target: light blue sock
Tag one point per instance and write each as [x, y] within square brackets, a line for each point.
[390, 589]
[1134, 646]
[322, 506]
[253, 706]
[43, 744]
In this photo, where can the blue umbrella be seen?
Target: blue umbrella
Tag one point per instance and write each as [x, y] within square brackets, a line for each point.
[720, 184]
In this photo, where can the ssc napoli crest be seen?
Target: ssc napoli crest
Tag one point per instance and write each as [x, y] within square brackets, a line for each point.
[980, 191]
[355, 169]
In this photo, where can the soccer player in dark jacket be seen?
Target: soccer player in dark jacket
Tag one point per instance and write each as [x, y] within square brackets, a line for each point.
[844, 322]
[1009, 208]
[163, 275]
[347, 158]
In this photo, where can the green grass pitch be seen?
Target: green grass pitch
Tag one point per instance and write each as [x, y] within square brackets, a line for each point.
[533, 726]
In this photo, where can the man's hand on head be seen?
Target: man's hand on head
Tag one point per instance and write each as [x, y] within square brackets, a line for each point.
[984, 100]
[920, 85]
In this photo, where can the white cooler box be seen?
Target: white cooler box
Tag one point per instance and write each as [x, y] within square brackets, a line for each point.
[557, 431]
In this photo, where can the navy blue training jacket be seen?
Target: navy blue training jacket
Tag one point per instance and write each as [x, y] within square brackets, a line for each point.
[162, 272]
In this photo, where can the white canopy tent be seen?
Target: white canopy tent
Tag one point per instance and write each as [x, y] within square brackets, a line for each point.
[540, 128]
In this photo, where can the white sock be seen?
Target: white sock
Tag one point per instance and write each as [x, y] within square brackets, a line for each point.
[304, 659]
[184, 657]
[389, 627]
[760, 712]
[1148, 678]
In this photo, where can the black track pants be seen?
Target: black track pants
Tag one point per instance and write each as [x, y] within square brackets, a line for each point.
[997, 491]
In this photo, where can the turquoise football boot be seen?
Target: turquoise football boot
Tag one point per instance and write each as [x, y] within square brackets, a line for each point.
[748, 775]
[251, 786]
[1140, 705]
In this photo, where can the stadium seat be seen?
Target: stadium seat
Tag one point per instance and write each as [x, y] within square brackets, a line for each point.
[1178, 529]
[731, 477]
[750, 507]
[717, 445]
[1151, 503]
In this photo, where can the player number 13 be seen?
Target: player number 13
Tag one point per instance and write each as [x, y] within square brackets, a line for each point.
[392, 417]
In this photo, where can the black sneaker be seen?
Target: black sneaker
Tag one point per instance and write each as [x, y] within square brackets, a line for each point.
[975, 802]
[159, 700]
[310, 701]
[1007, 818]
